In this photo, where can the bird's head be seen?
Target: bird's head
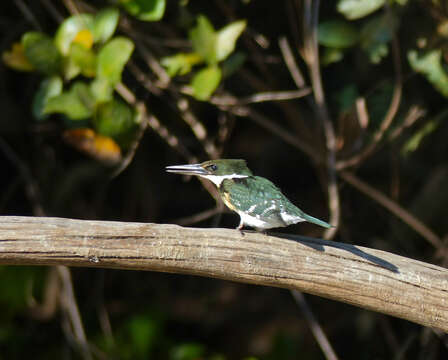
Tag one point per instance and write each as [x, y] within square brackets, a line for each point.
[214, 170]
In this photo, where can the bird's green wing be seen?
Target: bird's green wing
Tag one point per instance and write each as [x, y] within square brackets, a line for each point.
[258, 196]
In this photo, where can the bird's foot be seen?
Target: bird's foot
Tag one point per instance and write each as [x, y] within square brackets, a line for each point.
[240, 228]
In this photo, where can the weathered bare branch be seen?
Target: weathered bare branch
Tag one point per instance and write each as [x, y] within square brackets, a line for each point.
[372, 279]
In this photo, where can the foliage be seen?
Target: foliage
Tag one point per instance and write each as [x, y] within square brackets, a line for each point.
[210, 47]
[82, 47]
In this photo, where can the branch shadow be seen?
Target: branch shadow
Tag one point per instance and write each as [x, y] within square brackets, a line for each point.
[319, 245]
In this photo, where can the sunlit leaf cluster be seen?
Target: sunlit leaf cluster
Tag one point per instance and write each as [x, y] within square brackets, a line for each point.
[210, 47]
[81, 65]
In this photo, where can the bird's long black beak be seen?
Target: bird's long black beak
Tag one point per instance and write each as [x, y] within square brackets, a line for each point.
[191, 169]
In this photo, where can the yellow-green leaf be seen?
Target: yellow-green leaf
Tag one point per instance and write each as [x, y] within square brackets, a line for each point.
[180, 64]
[146, 10]
[102, 90]
[226, 39]
[203, 38]
[84, 58]
[112, 58]
[430, 65]
[104, 24]
[205, 82]
[356, 9]
[77, 103]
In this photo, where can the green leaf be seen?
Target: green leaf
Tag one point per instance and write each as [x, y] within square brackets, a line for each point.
[431, 67]
[104, 24]
[113, 57]
[49, 88]
[203, 38]
[189, 351]
[226, 39]
[41, 52]
[414, 142]
[337, 34]
[375, 36]
[68, 30]
[83, 58]
[356, 9]
[117, 120]
[143, 333]
[102, 90]
[331, 55]
[205, 82]
[180, 64]
[146, 10]
[77, 103]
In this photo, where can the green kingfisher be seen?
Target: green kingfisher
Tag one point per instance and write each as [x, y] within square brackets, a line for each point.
[259, 203]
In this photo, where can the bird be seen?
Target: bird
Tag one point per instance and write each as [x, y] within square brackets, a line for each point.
[259, 203]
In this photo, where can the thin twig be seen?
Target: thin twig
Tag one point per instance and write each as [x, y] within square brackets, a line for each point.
[170, 139]
[71, 307]
[394, 208]
[362, 113]
[260, 97]
[414, 113]
[50, 299]
[124, 163]
[154, 65]
[71, 7]
[388, 118]
[153, 122]
[257, 57]
[140, 107]
[197, 127]
[297, 76]
[28, 14]
[311, 53]
[53, 11]
[276, 129]
[288, 57]
[316, 329]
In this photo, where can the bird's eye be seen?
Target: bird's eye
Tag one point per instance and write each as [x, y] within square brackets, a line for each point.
[212, 167]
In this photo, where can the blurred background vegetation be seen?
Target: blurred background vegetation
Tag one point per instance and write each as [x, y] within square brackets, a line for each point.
[340, 103]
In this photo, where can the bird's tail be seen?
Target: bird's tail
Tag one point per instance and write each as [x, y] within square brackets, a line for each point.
[316, 221]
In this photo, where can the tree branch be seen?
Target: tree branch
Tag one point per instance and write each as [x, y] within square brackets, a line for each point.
[372, 279]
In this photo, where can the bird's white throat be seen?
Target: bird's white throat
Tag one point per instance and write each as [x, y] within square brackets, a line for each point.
[218, 179]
